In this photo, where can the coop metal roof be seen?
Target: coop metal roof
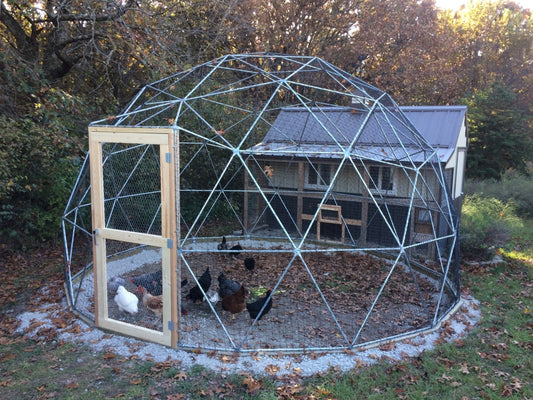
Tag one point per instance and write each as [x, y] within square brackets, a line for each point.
[327, 133]
[440, 125]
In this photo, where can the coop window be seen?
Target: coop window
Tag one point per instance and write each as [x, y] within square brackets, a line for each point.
[381, 179]
[422, 220]
[318, 175]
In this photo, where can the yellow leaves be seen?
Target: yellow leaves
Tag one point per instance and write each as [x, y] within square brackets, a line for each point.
[226, 359]
[269, 171]
[272, 369]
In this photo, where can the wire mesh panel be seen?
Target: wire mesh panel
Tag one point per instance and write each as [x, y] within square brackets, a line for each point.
[310, 213]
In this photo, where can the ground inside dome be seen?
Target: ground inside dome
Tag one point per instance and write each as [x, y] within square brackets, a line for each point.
[303, 317]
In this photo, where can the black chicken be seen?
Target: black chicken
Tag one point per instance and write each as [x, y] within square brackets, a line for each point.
[195, 294]
[249, 263]
[226, 286]
[223, 245]
[235, 251]
[255, 308]
[151, 281]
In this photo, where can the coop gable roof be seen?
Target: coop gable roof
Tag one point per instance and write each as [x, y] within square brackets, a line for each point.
[441, 126]
[384, 137]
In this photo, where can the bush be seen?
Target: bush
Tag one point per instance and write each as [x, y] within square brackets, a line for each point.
[486, 224]
[39, 158]
[513, 187]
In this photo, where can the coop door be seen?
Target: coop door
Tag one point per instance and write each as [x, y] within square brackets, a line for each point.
[134, 230]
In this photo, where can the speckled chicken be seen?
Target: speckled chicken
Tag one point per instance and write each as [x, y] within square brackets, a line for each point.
[152, 281]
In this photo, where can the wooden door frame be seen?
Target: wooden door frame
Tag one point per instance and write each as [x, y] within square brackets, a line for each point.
[165, 138]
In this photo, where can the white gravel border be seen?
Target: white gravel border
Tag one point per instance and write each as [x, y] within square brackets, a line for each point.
[454, 327]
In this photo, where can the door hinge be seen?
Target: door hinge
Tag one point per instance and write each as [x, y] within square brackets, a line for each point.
[168, 157]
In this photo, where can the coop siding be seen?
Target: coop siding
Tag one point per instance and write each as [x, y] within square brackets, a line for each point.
[284, 174]
[425, 188]
[349, 181]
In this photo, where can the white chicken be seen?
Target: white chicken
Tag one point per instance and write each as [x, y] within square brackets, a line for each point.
[126, 301]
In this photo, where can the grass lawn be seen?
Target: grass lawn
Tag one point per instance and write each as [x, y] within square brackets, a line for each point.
[494, 361]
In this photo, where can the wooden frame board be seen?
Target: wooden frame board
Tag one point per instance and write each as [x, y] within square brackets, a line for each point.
[167, 241]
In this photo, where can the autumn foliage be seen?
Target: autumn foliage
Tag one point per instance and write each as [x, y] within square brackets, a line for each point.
[62, 66]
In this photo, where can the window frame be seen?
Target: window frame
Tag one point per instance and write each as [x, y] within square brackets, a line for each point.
[320, 183]
[423, 220]
[379, 189]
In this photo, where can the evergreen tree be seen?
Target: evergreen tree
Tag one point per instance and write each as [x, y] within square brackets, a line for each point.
[499, 135]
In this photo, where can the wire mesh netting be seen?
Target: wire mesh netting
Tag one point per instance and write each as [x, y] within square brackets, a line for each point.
[311, 213]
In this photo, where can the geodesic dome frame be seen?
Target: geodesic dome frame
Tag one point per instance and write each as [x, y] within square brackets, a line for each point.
[318, 176]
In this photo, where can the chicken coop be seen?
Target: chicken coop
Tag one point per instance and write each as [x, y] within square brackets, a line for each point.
[265, 202]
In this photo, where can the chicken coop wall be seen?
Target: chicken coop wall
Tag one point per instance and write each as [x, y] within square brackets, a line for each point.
[294, 205]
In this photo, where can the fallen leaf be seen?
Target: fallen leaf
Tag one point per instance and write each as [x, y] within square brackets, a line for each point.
[464, 369]
[251, 384]
[181, 376]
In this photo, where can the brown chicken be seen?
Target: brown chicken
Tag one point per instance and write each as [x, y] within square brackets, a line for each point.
[235, 303]
[153, 303]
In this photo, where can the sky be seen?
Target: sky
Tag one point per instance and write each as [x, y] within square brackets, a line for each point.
[455, 4]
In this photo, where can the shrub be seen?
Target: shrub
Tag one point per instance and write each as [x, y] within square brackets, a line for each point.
[39, 157]
[486, 225]
[513, 187]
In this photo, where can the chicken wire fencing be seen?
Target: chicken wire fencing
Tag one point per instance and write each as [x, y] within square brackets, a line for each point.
[308, 213]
